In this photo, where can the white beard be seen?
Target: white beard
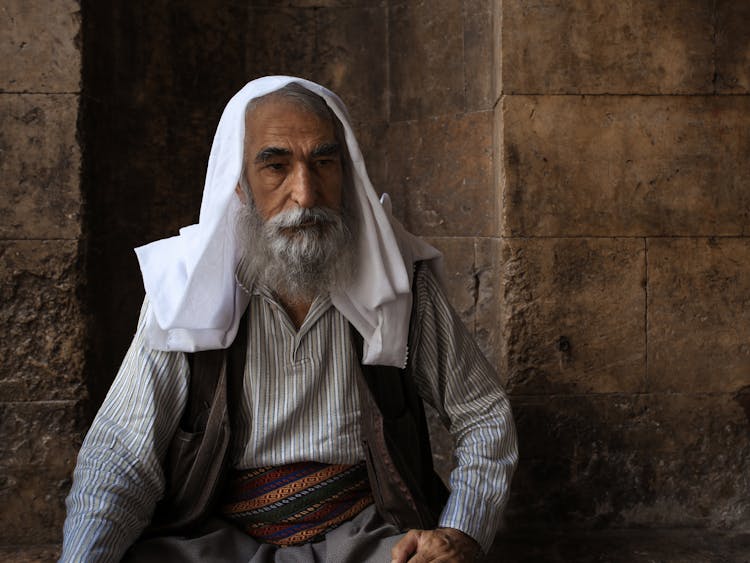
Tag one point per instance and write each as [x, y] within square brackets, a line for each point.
[299, 253]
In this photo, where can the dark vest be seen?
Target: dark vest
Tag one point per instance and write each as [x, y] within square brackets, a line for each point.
[406, 490]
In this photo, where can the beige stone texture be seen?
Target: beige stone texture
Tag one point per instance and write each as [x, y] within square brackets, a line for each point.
[39, 448]
[42, 353]
[351, 43]
[699, 315]
[573, 315]
[478, 55]
[625, 165]
[733, 47]
[425, 56]
[472, 286]
[439, 174]
[599, 46]
[39, 166]
[654, 460]
[331, 46]
[39, 49]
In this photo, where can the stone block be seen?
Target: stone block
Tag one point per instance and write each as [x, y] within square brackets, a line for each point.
[479, 64]
[40, 166]
[699, 315]
[652, 460]
[732, 47]
[425, 55]
[460, 259]
[440, 175]
[599, 47]
[42, 352]
[40, 48]
[38, 453]
[487, 291]
[351, 47]
[625, 166]
[473, 277]
[573, 315]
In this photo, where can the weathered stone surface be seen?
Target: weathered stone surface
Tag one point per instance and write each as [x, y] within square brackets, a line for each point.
[38, 452]
[610, 460]
[351, 47]
[440, 174]
[637, 545]
[460, 268]
[340, 47]
[699, 315]
[42, 352]
[39, 166]
[289, 49]
[425, 54]
[371, 137]
[473, 284]
[639, 46]
[616, 166]
[318, 3]
[30, 554]
[39, 50]
[573, 315]
[478, 54]
[488, 293]
[732, 47]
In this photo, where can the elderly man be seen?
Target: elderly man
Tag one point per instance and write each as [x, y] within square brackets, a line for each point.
[337, 328]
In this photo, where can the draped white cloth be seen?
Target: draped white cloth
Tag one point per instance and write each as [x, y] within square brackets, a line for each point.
[195, 301]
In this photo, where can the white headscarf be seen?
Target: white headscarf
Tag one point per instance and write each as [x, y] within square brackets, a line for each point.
[195, 301]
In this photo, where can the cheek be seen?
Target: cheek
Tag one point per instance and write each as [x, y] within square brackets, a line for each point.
[334, 187]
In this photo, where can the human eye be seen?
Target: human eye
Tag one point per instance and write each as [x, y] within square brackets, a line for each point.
[274, 166]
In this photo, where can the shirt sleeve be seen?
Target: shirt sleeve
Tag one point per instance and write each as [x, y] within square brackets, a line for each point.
[455, 378]
[118, 477]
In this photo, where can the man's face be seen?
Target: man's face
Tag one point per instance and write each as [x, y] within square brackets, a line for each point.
[292, 159]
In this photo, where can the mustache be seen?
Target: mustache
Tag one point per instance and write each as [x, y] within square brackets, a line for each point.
[302, 217]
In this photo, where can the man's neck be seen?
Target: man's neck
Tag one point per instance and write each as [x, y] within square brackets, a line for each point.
[296, 310]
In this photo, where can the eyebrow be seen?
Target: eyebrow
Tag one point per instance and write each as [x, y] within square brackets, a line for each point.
[269, 152]
[326, 149]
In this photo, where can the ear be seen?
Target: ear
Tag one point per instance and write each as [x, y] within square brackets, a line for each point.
[241, 194]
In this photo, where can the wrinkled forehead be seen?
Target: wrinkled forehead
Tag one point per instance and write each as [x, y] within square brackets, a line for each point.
[292, 107]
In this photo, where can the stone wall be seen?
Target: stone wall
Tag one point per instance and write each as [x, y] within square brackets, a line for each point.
[41, 314]
[625, 209]
[583, 166]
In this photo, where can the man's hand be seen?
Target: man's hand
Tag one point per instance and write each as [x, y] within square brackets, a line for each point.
[443, 545]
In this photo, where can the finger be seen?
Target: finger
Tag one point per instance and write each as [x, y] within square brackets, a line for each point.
[405, 547]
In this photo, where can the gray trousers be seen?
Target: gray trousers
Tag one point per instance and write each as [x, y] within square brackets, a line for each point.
[366, 538]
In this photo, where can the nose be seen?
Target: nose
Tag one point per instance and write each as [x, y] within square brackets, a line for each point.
[304, 190]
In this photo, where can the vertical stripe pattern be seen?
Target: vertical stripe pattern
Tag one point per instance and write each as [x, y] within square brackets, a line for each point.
[299, 404]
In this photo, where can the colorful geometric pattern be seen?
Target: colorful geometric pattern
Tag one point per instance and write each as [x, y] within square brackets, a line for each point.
[296, 503]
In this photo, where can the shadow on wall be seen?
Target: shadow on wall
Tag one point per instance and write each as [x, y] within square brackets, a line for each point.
[156, 78]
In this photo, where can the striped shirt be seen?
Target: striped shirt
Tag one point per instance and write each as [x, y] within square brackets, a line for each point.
[299, 403]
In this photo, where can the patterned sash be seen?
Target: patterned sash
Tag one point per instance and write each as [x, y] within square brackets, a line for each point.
[296, 503]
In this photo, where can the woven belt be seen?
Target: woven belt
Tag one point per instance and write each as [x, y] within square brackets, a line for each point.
[296, 503]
